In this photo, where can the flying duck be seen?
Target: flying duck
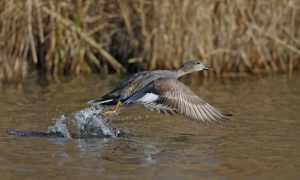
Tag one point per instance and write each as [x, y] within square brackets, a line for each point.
[160, 90]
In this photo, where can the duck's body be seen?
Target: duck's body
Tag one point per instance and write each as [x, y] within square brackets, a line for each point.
[162, 91]
[131, 87]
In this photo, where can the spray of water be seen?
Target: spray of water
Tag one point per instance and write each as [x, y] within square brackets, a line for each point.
[60, 128]
[86, 123]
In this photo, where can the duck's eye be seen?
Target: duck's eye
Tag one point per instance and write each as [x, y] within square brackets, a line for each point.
[198, 62]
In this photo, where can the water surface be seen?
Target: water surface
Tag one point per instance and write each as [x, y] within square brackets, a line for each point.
[261, 141]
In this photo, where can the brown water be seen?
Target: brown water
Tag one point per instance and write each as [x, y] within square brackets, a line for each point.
[262, 141]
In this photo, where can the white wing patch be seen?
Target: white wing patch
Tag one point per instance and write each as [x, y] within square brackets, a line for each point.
[148, 98]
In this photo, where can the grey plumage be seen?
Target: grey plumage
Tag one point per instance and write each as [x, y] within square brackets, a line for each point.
[182, 100]
[160, 90]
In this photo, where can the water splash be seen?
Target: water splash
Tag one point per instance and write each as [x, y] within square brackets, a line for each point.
[60, 127]
[86, 123]
[89, 123]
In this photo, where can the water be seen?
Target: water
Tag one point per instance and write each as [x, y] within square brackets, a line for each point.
[261, 141]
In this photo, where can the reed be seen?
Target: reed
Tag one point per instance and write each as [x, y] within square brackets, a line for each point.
[83, 36]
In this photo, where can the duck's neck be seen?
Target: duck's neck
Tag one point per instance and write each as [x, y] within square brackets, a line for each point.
[181, 72]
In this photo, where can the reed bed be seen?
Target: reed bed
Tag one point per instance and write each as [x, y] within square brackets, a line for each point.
[61, 37]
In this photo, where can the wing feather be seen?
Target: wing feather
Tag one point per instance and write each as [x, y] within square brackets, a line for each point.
[176, 97]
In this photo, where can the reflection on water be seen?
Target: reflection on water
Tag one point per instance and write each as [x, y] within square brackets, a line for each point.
[261, 141]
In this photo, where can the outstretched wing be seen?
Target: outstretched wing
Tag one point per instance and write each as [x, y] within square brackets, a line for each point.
[173, 96]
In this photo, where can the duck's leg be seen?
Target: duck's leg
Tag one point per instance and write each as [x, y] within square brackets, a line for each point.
[113, 110]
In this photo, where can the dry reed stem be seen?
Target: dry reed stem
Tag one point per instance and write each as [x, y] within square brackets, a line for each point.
[113, 62]
[276, 39]
[64, 37]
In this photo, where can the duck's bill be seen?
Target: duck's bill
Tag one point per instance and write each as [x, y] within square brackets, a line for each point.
[207, 68]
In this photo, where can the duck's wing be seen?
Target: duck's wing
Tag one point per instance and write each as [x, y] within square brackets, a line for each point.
[171, 95]
[123, 89]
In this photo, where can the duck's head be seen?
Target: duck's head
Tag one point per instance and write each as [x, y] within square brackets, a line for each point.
[192, 66]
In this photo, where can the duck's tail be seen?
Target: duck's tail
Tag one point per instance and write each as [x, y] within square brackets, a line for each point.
[100, 101]
[105, 100]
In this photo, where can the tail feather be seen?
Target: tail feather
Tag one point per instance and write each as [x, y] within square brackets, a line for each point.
[101, 101]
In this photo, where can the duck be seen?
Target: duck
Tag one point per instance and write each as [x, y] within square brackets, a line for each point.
[162, 91]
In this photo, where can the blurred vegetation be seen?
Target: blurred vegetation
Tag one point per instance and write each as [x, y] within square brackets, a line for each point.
[61, 37]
